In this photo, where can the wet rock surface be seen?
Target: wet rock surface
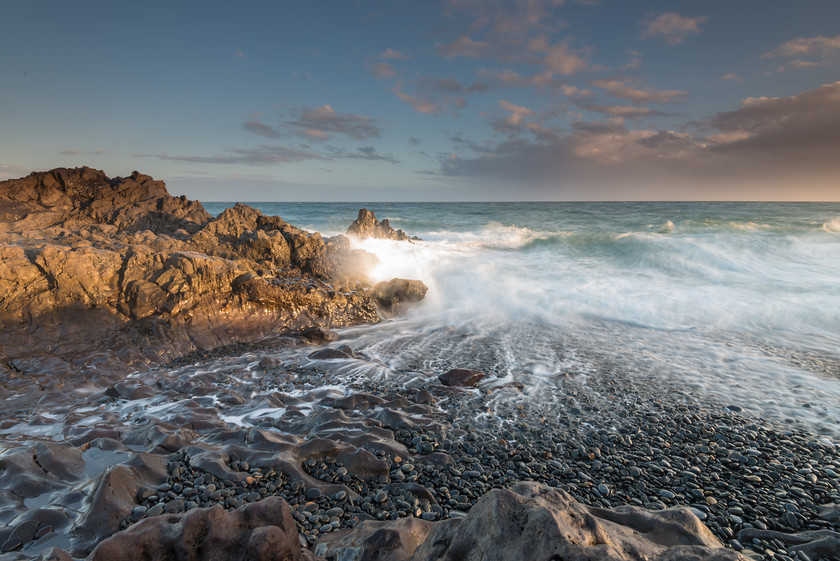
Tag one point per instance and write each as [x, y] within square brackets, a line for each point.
[355, 463]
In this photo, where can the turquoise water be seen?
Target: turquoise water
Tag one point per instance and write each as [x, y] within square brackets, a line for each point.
[739, 302]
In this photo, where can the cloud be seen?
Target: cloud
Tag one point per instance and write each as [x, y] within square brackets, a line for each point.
[797, 126]
[806, 46]
[383, 70]
[466, 47]
[414, 141]
[321, 122]
[363, 153]
[731, 77]
[623, 89]
[783, 141]
[240, 54]
[514, 121]
[391, 54]
[84, 152]
[809, 51]
[672, 27]
[261, 156]
[443, 85]
[621, 110]
[261, 129]
[559, 58]
[421, 105]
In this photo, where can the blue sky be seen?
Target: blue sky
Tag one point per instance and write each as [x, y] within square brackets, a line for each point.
[450, 100]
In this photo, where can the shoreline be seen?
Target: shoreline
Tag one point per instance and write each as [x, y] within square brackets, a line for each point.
[98, 450]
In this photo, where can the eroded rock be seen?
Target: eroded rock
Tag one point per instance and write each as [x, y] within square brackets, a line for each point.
[120, 267]
[533, 521]
[261, 531]
[367, 226]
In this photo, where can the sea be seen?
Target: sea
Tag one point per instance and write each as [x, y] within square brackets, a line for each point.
[735, 304]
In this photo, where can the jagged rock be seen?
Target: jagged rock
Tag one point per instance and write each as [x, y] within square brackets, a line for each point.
[70, 198]
[367, 226]
[261, 531]
[92, 265]
[461, 377]
[394, 296]
[533, 521]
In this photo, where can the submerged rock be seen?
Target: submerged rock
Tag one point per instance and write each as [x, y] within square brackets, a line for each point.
[462, 377]
[367, 226]
[394, 296]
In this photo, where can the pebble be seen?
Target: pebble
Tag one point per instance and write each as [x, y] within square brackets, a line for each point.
[679, 456]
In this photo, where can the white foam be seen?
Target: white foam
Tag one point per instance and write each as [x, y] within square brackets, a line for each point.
[832, 225]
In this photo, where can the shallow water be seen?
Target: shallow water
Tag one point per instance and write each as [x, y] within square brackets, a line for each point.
[737, 302]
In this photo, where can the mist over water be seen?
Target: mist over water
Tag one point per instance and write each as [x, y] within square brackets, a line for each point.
[737, 304]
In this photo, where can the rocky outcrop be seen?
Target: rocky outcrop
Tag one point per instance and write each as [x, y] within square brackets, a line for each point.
[533, 521]
[367, 226]
[394, 296]
[113, 274]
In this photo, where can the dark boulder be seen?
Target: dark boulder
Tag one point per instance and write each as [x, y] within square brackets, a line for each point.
[394, 296]
[461, 377]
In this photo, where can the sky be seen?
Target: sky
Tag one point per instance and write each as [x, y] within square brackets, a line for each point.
[430, 100]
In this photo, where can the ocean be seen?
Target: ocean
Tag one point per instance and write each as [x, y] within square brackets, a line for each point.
[730, 304]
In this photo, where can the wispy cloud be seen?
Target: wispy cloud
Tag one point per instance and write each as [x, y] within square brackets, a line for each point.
[321, 122]
[421, 105]
[466, 47]
[84, 152]
[363, 153]
[262, 156]
[625, 89]
[731, 77]
[383, 70]
[806, 46]
[559, 57]
[392, 54]
[672, 27]
[627, 111]
[261, 129]
[807, 52]
[240, 54]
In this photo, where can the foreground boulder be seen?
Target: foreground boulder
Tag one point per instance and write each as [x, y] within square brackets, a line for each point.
[261, 531]
[367, 226]
[111, 275]
[538, 523]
